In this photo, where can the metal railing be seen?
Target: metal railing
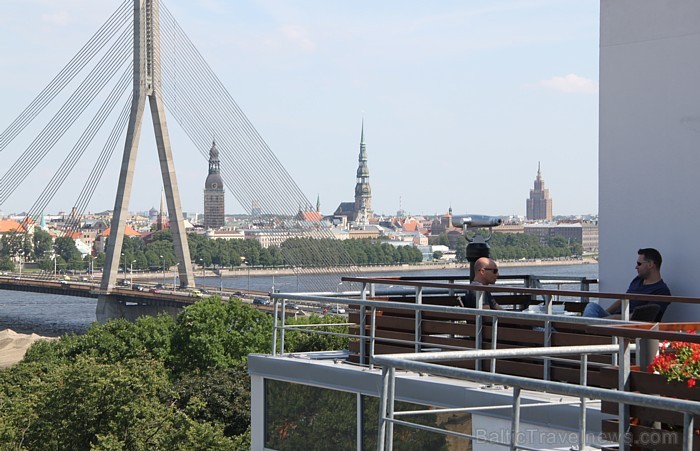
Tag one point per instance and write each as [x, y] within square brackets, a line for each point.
[620, 349]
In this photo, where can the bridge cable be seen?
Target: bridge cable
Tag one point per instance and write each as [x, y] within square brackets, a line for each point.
[212, 114]
[116, 21]
[65, 117]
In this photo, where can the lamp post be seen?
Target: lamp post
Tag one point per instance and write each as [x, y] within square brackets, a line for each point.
[163, 258]
[201, 262]
[131, 272]
[124, 260]
[177, 271]
[248, 268]
[21, 255]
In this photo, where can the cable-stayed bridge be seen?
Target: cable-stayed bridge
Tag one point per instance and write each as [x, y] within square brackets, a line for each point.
[141, 59]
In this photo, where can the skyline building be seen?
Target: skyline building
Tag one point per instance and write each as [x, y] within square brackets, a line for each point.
[539, 205]
[214, 192]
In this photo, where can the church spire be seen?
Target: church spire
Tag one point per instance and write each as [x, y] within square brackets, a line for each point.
[363, 192]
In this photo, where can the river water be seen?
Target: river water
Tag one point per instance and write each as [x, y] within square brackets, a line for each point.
[55, 315]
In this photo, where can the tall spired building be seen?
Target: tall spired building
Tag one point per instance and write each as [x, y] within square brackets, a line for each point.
[214, 192]
[539, 205]
[363, 192]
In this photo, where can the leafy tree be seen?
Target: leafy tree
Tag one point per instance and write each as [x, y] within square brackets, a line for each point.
[217, 334]
[305, 342]
[220, 396]
[42, 243]
[6, 264]
[65, 247]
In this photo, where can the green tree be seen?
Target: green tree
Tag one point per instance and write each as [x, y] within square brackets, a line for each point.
[6, 264]
[217, 334]
[42, 243]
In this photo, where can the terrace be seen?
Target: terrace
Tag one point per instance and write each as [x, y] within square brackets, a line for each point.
[420, 369]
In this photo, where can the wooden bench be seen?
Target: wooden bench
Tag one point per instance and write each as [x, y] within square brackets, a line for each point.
[445, 330]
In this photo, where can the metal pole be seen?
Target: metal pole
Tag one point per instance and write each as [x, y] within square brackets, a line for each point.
[688, 430]
[515, 425]
[418, 335]
[284, 320]
[478, 324]
[274, 326]
[623, 385]
[390, 409]
[372, 337]
[583, 381]
[381, 428]
[363, 334]
[494, 340]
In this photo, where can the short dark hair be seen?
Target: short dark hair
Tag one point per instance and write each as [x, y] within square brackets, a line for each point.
[651, 255]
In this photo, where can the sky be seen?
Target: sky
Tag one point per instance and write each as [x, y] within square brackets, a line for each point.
[460, 99]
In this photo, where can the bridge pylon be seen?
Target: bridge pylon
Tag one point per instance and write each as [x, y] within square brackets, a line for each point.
[147, 82]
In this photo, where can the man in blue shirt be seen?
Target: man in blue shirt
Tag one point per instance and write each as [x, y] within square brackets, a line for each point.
[648, 281]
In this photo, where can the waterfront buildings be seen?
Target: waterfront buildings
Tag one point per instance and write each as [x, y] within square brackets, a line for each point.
[539, 205]
[214, 192]
[585, 233]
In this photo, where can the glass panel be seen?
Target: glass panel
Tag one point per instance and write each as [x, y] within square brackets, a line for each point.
[408, 438]
[310, 418]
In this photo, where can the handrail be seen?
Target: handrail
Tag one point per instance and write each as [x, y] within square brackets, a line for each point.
[621, 333]
[420, 364]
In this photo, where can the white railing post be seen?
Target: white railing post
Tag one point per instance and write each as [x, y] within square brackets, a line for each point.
[274, 329]
[515, 425]
[623, 385]
[583, 381]
[418, 334]
[372, 337]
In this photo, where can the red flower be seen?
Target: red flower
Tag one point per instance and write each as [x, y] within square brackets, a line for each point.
[678, 361]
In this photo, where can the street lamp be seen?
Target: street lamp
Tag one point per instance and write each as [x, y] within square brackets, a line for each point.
[175, 274]
[131, 272]
[248, 268]
[337, 289]
[163, 269]
[124, 260]
[21, 255]
[201, 262]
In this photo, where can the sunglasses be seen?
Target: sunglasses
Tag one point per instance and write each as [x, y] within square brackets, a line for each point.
[495, 270]
[640, 263]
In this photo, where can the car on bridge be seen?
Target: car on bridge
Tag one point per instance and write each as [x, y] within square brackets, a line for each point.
[261, 301]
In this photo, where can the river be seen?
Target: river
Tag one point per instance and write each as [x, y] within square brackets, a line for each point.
[55, 315]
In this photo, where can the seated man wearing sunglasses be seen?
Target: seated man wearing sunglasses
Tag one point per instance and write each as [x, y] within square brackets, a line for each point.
[648, 281]
[485, 273]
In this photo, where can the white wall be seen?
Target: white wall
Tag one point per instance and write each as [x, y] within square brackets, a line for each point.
[649, 160]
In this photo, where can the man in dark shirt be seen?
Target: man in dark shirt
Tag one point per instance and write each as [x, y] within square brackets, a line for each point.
[648, 281]
[485, 273]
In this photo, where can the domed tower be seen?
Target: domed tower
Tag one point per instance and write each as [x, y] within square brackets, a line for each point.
[363, 192]
[214, 192]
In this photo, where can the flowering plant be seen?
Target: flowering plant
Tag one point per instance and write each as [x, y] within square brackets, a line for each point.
[678, 361]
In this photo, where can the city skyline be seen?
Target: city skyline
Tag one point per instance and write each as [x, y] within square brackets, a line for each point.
[502, 84]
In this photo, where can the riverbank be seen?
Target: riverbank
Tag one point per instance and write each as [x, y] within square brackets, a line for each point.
[261, 271]
[13, 346]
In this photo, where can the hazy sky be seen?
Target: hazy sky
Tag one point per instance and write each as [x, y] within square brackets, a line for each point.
[460, 99]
